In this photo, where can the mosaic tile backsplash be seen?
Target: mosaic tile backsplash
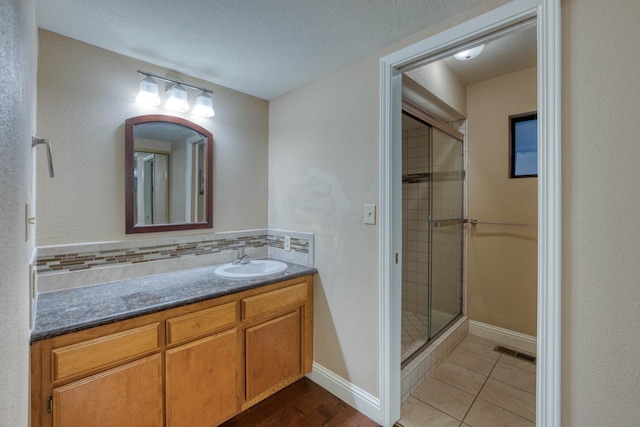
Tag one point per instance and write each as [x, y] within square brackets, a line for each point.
[86, 260]
[70, 266]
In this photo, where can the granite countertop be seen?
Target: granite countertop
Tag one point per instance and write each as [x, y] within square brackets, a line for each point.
[71, 310]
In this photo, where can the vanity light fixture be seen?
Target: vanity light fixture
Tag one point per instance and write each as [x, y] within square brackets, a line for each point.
[204, 105]
[465, 55]
[178, 97]
[148, 92]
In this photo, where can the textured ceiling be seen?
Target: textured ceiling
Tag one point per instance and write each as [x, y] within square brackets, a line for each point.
[261, 47]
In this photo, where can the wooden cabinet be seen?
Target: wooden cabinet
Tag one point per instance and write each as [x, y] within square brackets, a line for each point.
[274, 356]
[129, 395]
[274, 342]
[85, 356]
[196, 365]
[202, 381]
[106, 376]
[202, 322]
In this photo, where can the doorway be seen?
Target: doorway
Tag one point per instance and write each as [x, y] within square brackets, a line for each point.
[469, 34]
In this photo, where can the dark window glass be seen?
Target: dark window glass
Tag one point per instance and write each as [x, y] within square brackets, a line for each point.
[524, 145]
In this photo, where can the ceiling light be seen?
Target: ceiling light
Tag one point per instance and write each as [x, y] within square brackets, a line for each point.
[204, 105]
[148, 91]
[465, 55]
[177, 98]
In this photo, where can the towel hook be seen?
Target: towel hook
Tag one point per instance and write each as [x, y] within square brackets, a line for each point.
[35, 141]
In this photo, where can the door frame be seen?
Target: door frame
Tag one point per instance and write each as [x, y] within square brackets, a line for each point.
[547, 15]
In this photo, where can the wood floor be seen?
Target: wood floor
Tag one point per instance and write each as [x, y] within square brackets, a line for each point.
[302, 404]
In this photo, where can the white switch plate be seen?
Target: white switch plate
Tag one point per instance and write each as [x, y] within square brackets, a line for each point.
[369, 214]
[287, 243]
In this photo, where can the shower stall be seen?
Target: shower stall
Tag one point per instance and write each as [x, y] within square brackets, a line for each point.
[432, 230]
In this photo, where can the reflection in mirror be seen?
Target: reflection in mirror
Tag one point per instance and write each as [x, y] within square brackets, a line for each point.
[168, 174]
[152, 193]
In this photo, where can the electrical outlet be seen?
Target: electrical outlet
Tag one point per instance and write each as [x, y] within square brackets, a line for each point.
[370, 214]
[287, 243]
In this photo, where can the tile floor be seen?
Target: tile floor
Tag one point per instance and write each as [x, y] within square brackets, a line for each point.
[414, 332]
[474, 387]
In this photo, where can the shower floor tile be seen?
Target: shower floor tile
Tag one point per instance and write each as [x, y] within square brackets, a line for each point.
[414, 331]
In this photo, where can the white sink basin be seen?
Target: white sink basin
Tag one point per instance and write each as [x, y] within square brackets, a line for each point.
[256, 268]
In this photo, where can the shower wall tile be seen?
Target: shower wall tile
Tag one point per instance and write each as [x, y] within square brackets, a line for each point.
[415, 205]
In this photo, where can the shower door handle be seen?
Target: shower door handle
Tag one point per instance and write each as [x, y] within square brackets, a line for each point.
[447, 222]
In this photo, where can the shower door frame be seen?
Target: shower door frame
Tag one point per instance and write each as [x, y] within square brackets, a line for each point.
[448, 222]
[420, 115]
[547, 16]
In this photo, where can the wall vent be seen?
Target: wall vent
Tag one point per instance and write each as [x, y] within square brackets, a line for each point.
[516, 354]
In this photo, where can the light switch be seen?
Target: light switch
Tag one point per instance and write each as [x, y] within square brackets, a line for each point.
[369, 214]
[287, 243]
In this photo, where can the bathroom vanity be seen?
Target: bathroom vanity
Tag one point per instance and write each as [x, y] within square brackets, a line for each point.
[178, 349]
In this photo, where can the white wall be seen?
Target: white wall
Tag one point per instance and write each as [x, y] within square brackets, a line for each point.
[17, 120]
[601, 201]
[85, 94]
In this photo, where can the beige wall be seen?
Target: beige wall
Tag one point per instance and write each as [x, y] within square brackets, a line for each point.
[323, 168]
[85, 95]
[502, 260]
[601, 201]
[323, 160]
[442, 83]
[18, 49]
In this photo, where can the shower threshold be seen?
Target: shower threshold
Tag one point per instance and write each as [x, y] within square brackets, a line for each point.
[422, 344]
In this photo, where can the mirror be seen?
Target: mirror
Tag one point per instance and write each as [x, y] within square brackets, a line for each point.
[168, 174]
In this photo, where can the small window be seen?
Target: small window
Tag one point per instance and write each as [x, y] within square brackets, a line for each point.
[523, 131]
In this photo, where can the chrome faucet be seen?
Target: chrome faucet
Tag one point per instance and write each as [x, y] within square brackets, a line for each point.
[242, 258]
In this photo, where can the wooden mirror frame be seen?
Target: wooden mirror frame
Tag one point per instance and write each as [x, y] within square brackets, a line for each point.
[131, 226]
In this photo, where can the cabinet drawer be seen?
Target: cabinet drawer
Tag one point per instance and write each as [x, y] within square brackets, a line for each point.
[104, 351]
[202, 322]
[253, 306]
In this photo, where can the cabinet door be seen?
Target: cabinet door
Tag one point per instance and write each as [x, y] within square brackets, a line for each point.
[273, 353]
[202, 381]
[129, 395]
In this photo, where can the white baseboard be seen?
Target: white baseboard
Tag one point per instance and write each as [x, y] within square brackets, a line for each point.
[350, 393]
[506, 337]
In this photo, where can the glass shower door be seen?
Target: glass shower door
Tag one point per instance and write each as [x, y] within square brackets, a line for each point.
[446, 227]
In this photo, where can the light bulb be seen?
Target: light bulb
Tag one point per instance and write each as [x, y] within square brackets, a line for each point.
[178, 99]
[148, 91]
[203, 105]
[465, 55]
